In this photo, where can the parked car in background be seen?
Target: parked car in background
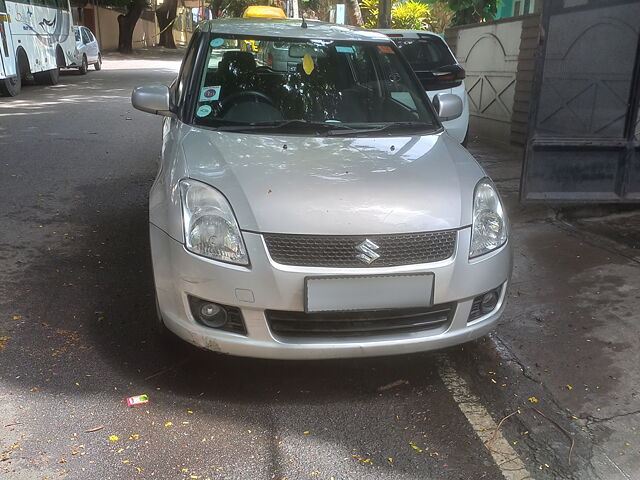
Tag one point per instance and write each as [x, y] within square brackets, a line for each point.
[88, 50]
[438, 71]
[319, 211]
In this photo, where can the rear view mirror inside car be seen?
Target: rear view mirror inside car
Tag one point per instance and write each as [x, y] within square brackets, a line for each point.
[302, 49]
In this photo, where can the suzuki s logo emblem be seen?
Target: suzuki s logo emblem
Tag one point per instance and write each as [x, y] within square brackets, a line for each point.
[367, 251]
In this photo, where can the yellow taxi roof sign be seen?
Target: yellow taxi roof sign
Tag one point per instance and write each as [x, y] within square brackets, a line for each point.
[262, 11]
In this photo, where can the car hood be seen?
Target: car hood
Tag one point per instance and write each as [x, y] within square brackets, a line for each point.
[337, 185]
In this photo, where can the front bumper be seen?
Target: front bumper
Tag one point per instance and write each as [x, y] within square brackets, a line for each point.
[270, 286]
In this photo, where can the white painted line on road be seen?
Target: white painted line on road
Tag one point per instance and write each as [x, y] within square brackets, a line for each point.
[469, 404]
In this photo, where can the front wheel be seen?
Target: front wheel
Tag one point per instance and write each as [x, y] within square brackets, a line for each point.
[48, 77]
[98, 64]
[84, 67]
[10, 87]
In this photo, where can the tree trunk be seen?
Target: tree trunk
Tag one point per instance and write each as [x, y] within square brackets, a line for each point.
[166, 14]
[126, 24]
[355, 15]
[295, 8]
[384, 14]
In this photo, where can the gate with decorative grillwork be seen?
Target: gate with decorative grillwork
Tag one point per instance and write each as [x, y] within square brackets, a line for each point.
[584, 127]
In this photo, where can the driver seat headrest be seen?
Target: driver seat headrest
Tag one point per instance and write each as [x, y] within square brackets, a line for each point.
[243, 62]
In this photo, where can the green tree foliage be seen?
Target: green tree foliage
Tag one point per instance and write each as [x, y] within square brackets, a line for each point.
[369, 9]
[235, 8]
[409, 14]
[473, 11]
[441, 16]
[435, 15]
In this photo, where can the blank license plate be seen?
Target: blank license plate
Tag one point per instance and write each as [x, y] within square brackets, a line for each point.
[332, 294]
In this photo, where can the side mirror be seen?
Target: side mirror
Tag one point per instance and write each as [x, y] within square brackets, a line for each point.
[448, 106]
[152, 99]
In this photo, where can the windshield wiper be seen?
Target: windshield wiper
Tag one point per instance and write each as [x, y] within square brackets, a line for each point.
[382, 128]
[296, 124]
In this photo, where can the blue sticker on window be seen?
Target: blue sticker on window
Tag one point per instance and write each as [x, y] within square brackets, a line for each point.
[203, 111]
[341, 49]
[209, 94]
[217, 42]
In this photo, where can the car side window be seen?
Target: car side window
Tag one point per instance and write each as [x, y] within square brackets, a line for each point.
[85, 37]
[90, 35]
[76, 31]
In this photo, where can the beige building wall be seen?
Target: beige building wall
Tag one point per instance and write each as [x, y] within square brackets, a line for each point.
[106, 26]
[489, 54]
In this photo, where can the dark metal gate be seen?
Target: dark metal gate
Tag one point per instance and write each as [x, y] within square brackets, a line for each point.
[584, 126]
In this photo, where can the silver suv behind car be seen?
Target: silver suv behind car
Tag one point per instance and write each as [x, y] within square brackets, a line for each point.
[317, 210]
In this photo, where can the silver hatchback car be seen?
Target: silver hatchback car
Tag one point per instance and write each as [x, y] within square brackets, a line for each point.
[319, 211]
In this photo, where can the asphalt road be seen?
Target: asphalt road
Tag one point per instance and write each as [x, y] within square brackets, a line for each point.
[76, 339]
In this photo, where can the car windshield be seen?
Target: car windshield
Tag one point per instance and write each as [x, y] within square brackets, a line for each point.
[322, 85]
[426, 53]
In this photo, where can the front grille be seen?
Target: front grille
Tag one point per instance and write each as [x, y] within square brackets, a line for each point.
[340, 250]
[358, 324]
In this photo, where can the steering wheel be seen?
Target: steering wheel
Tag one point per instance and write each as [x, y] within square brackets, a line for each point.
[239, 97]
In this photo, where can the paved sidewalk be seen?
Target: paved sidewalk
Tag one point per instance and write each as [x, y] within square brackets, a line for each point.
[572, 322]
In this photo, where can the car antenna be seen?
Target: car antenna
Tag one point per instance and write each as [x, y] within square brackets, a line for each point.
[304, 23]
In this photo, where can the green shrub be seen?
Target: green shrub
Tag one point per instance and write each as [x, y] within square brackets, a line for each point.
[410, 15]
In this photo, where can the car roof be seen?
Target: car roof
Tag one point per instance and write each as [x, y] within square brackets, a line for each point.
[407, 33]
[290, 28]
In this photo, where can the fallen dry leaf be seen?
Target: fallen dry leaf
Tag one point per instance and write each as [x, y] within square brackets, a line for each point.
[364, 461]
[391, 385]
[416, 448]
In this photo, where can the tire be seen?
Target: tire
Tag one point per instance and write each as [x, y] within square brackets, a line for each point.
[84, 67]
[10, 87]
[98, 64]
[48, 77]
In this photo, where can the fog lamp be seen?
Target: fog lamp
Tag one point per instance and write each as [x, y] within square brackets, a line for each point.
[489, 301]
[211, 315]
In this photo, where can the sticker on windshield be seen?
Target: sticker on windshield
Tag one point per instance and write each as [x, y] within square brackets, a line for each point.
[307, 64]
[385, 49]
[342, 49]
[217, 42]
[209, 94]
[203, 111]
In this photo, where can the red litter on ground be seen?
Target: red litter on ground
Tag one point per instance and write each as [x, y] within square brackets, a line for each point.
[137, 400]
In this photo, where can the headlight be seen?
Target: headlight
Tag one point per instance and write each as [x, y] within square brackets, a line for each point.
[210, 228]
[489, 229]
